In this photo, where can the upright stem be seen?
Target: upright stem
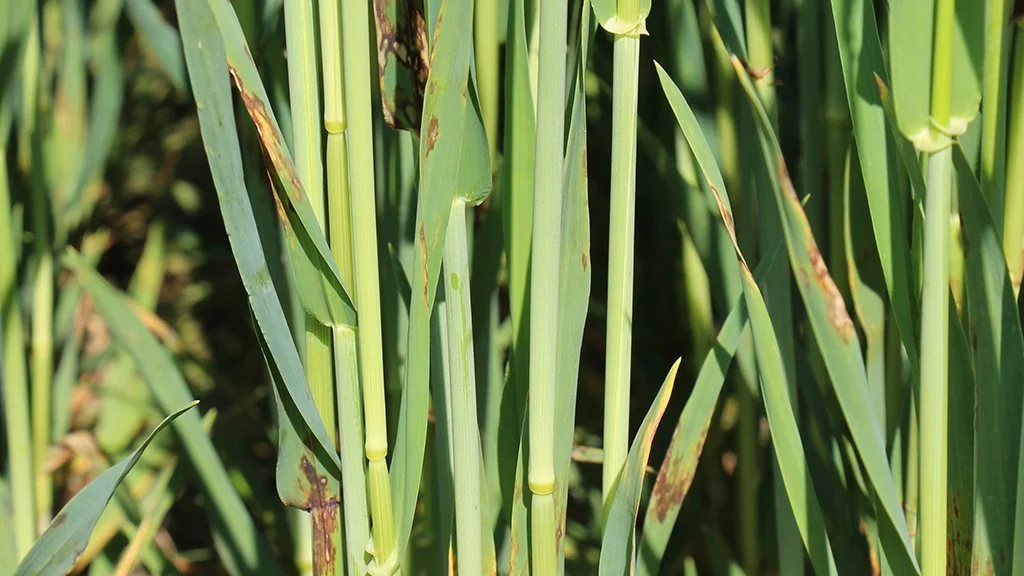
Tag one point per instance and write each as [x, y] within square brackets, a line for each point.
[462, 382]
[620, 260]
[356, 49]
[1013, 218]
[993, 121]
[486, 44]
[547, 232]
[304, 96]
[42, 292]
[15, 380]
[346, 364]
[935, 307]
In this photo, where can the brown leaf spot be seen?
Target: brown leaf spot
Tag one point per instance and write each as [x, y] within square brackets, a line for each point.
[431, 135]
[835, 306]
[675, 478]
[271, 139]
[323, 510]
[584, 261]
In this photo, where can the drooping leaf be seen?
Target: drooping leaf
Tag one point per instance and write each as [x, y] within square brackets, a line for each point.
[318, 280]
[774, 387]
[836, 337]
[204, 54]
[860, 53]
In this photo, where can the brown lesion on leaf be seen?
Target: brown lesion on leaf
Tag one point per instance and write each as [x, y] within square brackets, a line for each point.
[402, 55]
[323, 510]
[675, 478]
[271, 140]
[835, 306]
[432, 134]
[422, 239]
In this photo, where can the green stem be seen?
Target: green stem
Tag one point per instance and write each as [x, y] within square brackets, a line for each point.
[993, 121]
[1013, 218]
[304, 96]
[935, 305]
[462, 382]
[486, 41]
[620, 261]
[15, 383]
[934, 328]
[547, 224]
[346, 364]
[356, 49]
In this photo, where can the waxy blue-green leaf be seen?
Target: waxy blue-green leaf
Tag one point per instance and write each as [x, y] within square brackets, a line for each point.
[243, 550]
[208, 70]
[447, 169]
[999, 364]
[57, 549]
[618, 543]
[860, 53]
[774, 387]
[319, 281]
[836, 336]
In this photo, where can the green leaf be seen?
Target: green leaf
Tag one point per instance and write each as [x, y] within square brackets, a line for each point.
[448, 127]
[162, 39]
[999, 362]
[911, 24]
[204, 54]
[861, 56]
[610, 16]
[774, 386]
[57, 549]
[618, 545]
[244, 551]
[680, 465]
[836, 337]
[319, 283]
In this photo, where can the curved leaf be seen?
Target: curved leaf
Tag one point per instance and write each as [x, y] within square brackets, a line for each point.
[57, 549]
[204, 54]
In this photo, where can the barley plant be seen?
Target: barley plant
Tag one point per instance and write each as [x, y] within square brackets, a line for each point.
[511, 287]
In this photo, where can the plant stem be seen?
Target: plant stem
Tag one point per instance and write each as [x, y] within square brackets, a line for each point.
[356, 49]
[993, 121]
[304, 96]
[935, 307]
[1013, 218]
[462, 382]
[346, 363]
[486, 43]
[620, 261]
[547, 225]
[15, 382]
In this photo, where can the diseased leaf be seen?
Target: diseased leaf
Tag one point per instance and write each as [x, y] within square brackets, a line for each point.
[836, 337]
[204, 54]
[618, 543]
[774, 387]
[448, 126]
[402, 61]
